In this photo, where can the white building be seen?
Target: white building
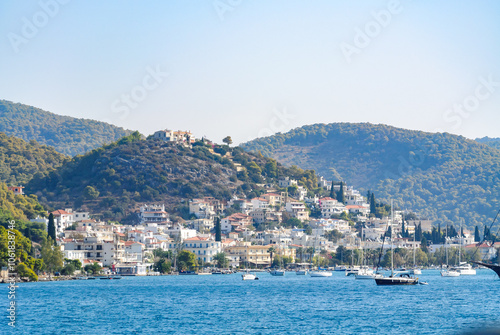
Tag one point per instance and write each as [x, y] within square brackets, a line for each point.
[297, 209]
[330, 207]
[153, 214]
[204, 248]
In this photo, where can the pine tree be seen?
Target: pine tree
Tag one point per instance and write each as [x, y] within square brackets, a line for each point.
[477, 237]
[51, 229]
[403, 229]
[218, 235]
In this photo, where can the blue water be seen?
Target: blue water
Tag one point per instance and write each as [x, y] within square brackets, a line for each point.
[224, 304]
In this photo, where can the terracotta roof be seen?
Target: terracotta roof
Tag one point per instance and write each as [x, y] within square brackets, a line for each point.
[197, 238]
[60, 212]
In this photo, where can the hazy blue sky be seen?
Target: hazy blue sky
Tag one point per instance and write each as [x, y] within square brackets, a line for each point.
[249, 68]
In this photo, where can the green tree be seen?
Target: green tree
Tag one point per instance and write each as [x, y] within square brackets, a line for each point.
[271, 252]
[68, 270]
[93, 268]
[373, 207]
[340, 194]
[52, 256]
[186, 260]
[162, 265]
[90, 193]
[228, 140]
[477, 236]
[51, 228]
[24, 271]
[221, 260]
[218, 232]
[332, 192]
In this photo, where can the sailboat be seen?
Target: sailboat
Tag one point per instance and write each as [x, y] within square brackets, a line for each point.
[464, 268]
[415, 270]
[280, 271]
[247, 275]
[320, 272]
[365, 272]
[396, 278]
[448, 272]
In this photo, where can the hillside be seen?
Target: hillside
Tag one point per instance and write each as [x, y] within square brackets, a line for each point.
[492, 142]
[68, 135]
[440, 176]
[115, 179]
[20, 160]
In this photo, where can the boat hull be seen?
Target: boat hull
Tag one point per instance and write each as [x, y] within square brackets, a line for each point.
[393, 281]
[321, 274]
[248, 276]
[450, 274]
[277, 273]
[300, 273]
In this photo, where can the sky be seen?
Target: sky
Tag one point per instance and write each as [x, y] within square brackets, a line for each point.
[253, 68]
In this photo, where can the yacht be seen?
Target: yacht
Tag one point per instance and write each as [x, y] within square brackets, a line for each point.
[465, 269]
[320, 273]
[396, 277]
[367, 273]
[278, 272]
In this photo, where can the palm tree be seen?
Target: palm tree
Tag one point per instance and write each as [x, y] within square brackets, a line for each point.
[271, 252]
[310, 251]
[300, 251]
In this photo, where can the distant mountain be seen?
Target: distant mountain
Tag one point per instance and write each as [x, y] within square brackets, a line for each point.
[70, 136]
[440, 176]
[492, 142]
[20, 160]
[115, 179]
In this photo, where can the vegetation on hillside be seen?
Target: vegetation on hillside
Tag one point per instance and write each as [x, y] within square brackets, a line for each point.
[492, 142]
[440, 176]
[68, 135]
[115, 179]
[20, 160]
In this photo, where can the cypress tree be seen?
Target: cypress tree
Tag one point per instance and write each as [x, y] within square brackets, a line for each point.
[51, 229]
[332, 192]
[373, 208]
[340, 195]
[218, 235]
[477, 237]
[403, 229]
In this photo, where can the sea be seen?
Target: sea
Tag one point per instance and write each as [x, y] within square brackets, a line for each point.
[225, 304]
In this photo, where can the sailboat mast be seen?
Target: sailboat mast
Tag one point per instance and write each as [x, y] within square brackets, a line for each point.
[460, 245]
[392, 252]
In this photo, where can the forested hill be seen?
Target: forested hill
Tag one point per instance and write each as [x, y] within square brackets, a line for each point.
[115, 179]
[440, 176]
[20, 160]
[68, 135]
[492, 142]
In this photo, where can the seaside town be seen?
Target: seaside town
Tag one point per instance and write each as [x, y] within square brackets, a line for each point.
[284, 227]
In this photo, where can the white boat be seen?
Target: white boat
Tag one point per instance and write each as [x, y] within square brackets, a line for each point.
[248, 276]
[320, 273]
[277, 273]
[367, 273]
[465, 269]
[301, 272]
[396, 277]
[450, 273]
